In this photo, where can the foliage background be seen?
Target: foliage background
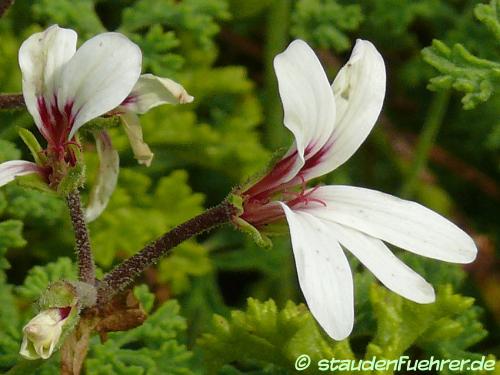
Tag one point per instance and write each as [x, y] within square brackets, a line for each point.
[442, 96]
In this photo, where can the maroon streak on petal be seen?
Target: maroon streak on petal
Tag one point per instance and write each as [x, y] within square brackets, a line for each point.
[132, 98]
[274, 178]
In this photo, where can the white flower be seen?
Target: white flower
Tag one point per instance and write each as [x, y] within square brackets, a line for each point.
[107, 177]
[150, 91]
[329, 124]
[42, 333]
[64, 88]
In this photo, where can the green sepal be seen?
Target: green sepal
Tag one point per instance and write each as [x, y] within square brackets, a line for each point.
[34, 181]
[237, 202]
[73, 179]
[58, 294]
[36, 150]
[277, 228]
[260, 238]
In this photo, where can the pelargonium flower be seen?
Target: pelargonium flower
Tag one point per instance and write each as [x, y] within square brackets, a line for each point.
[64, 88]
[150, 91]
[329, 123]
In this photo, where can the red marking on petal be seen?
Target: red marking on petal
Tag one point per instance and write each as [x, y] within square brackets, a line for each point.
[132, 98]
[316, 159]
[265, 186]
[64, 312]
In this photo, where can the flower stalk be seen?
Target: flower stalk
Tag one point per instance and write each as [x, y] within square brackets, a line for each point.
[86, 266]
[126, 272]
[12, 101]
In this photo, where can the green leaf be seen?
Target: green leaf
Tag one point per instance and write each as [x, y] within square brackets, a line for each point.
[263, 334]
[477, 78]
[39, 277]
[78, 14]
[10, 237]
[325, 23]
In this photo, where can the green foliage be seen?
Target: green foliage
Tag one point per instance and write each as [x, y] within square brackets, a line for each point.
[8, 151]
[142, 216]
[39, 278]
[10, 323]
[265, 335]
[218, 49]
[79, 14]
[152, 348]
[324, 23]
[477, 78]
[10, 237]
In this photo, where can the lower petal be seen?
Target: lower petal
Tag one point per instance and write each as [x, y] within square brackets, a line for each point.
[16, 168]
[405, 224]
[107, 177]
[324, 273]
[386, 267]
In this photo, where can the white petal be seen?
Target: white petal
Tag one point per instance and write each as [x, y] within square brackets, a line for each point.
[151, 91]
[405, 224]
[15, 168]
[109, 163]
[41, 58]
[324, 274]
[133, 128]
[308, 101]
[392, 272]
[99, 77]
[359, 90]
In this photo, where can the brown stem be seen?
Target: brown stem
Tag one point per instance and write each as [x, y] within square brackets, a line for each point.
[11, 101]
[86, 267]
[126, 272]
[75, 348]
[4, 5]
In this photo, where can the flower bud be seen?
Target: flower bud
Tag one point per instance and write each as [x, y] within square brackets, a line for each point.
[42, 333]
[59, 305]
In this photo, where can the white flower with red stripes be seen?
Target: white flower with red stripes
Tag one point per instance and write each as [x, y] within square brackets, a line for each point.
[329, 123]
[64, 88]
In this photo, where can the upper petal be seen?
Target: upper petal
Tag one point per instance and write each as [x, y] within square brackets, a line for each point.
[324, 273]
[392, 272]
[308, 101]
[405, 224]
[359, 90]
[41, 59]
[109, 163]
[151, 91]
[99, 77]
[14, 168]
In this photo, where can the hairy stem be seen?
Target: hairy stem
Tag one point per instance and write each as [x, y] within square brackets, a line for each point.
[86, 267]
[11, 101]
[426, 140]
[126, 272]
[4, 5]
